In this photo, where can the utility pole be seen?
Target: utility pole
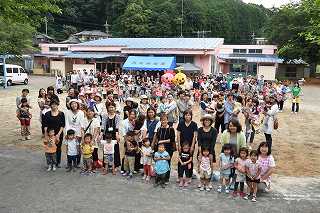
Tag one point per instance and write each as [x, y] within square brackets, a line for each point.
[46, 23]
[181, 21]
[4, 71]
[107, 27]
[253, 36]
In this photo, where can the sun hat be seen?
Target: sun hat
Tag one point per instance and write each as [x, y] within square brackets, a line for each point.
[207, 117]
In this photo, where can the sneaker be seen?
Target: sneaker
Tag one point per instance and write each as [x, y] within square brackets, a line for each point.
[246, 197]
[208, 189]
[130, 175]
[166, 183]
[144, 177]
[254, 198]
[49, 169]
[28, 137]
[227, 191]
[181, 184]
[54, 168]
[219, 189]
[163, 186]
[201, 188]
[122, 172]
[135, 172]
[235, 194]
[210, 186]
[148, 179]
[199, 185]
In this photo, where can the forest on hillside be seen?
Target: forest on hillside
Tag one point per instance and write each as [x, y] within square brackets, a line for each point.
[230, 19]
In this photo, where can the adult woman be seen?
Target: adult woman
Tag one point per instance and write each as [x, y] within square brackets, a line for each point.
[150, 124]
[55, 119]
[74, 119]
[165, 135]
[207, 136]
[98, 107]
[187, 131]
[143, 106]
[171, 110]
[43, 103]
[91, 125]
[129, 105]
[205, 105]
[296, 91]
[267, 163]
[234, 135]
[270, 112]
[110, 124]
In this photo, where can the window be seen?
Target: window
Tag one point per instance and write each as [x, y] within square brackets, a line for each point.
[15, 70]
[291, 72]
[9, 70]
[184, 59]
[239, 50]
[63, 48]
[22, 70]
[1, 70]
[257, 51]
[53, 49]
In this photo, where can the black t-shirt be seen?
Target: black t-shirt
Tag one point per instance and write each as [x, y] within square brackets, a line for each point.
[185, 156]
[133, 152]
[207, 139]
[55, 122]
[187, 132]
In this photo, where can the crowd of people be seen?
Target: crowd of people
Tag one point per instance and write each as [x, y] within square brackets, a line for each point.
[104, 112]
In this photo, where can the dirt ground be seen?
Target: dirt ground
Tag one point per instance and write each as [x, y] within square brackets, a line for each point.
[296, 144]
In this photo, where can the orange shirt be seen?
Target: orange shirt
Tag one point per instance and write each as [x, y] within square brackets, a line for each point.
[50, 145]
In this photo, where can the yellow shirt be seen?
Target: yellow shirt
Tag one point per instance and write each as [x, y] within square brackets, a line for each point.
[87, 150]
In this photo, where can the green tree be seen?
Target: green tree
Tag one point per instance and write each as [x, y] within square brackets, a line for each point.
[291, 28]
[135, 20]
[19, 20]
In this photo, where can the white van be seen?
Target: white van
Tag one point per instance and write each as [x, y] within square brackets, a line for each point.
[15, 74]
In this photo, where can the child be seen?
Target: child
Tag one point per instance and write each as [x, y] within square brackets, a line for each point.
[253, 170]
[50, 149]
[146, 152]
[161, 157]
[240, 172]
[24, 116]
[72, 149]
[120, 94]
[87, 150]
[205, 169]
[184, 165]
[226, 163]
[131, 148]
[108, 153]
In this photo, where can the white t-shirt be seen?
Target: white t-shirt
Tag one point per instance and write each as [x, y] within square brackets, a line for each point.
[72, 147]
[74, 78]
[108, 148]
[74, 121]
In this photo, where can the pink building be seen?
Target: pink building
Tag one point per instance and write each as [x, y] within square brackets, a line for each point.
[247, 60]
[199, 54]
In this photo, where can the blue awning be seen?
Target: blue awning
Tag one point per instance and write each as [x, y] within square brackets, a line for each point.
[253, 58]
[149, 63]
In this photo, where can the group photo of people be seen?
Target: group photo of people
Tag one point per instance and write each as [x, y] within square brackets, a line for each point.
[164, 128]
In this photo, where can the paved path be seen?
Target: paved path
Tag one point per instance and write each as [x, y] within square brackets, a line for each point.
[26, 187]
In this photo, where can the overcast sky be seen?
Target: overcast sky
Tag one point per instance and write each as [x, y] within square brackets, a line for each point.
[269, 3]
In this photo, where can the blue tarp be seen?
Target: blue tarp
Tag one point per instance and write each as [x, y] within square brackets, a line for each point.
[149, 63]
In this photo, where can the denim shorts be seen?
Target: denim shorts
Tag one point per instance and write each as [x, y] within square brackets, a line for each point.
[108, 159]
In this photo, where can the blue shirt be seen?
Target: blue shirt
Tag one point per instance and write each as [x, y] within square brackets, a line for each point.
[161, 166]
[224, 161]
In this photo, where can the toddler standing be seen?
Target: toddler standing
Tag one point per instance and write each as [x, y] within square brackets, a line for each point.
[184, 165]
[226, 163]
[146, 151]
[87, 150]
[253, 170]
[72, 149]
[240, 172]
[108, 153]
[50, 149]
[24, 116]
[161, 157]
[131, 148]
[205, 169]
